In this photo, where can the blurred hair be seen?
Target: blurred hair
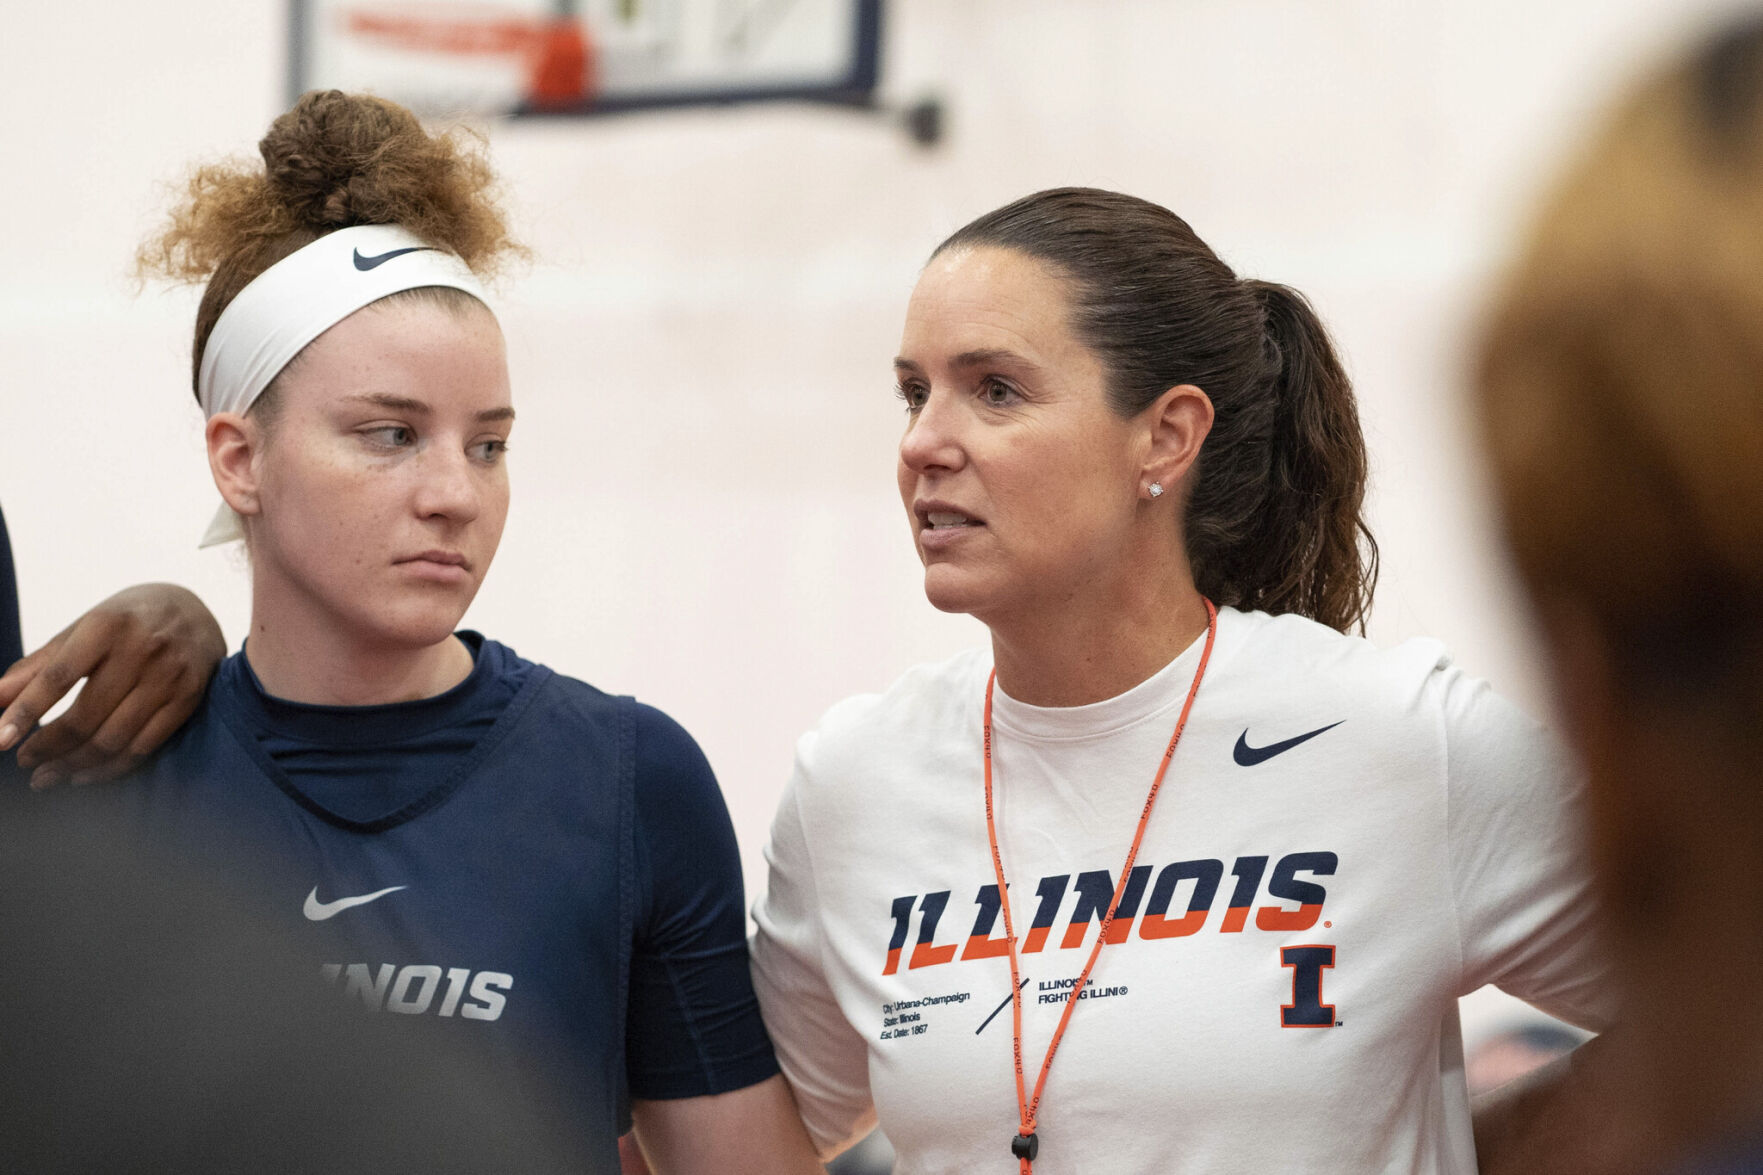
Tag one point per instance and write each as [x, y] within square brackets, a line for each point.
[1275, 515]
[1620, 386]
[333, 161]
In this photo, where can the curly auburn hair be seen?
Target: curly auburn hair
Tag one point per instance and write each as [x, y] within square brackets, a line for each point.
[333, 161]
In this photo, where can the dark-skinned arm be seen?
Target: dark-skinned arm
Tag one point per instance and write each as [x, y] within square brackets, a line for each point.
[145, 654]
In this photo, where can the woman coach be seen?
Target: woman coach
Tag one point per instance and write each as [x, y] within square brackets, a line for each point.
[1179, 877]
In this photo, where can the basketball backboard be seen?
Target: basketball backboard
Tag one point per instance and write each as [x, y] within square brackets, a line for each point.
[447, 58]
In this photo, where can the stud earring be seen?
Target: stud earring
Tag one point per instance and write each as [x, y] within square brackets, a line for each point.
[1155, 490]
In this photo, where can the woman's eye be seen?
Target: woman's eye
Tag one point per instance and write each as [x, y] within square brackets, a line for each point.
[489, 452]
[390, 436]
[912, 395]
[996, 391]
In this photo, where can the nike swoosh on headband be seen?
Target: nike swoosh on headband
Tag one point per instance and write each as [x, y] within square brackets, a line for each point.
[366, 263]
[318, 911]
[1248, 756]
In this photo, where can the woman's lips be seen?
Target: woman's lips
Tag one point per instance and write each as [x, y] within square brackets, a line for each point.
[437, 566]
[942, 527]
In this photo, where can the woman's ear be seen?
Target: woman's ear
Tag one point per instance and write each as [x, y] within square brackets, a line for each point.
[1177, 423]
[233, 444]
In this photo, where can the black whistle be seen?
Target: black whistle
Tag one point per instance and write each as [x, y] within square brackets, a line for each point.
[1026, 1146]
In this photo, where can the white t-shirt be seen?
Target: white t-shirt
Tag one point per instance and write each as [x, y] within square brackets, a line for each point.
[1347, 840]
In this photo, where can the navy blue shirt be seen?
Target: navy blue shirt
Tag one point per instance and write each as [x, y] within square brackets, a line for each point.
[522, 858]
[11, 639]
[368, 764]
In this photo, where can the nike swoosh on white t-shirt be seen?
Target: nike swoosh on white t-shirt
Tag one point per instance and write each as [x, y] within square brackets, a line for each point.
[318, 911]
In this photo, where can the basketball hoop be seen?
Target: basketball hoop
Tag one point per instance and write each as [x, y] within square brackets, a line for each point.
[448, 59]
[556, 52]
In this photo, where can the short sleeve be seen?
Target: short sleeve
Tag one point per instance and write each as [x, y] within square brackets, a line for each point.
[693, 1025]
[825, 1059]
[1527, 919]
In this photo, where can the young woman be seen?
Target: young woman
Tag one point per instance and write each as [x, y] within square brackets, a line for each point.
[1179, 877]
[455, 837]
[1621, 396]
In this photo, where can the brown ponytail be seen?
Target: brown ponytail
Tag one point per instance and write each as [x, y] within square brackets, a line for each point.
[333, 161]
[1309, 549]
[1275, 516]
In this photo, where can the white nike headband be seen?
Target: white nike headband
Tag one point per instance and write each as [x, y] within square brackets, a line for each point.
[299, 298]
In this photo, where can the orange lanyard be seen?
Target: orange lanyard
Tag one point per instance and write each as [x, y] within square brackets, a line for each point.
[1025, 1144]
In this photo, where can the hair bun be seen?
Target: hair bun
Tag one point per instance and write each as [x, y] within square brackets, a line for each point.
[339, 159]
[333, 161]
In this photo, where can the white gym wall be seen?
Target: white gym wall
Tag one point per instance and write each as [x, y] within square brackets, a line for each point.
[704, 510]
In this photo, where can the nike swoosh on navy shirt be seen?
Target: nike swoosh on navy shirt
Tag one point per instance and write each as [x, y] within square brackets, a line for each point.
[366, 263]
[318, 911]
[1248, 756]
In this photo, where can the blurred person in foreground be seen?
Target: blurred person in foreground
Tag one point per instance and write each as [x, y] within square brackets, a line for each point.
[151, 1021]
[1620, 389]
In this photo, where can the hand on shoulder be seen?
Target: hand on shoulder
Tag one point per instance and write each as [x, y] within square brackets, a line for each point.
[145, 655]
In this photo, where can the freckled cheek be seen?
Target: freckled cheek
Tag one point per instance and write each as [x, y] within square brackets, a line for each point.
[353, 512]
